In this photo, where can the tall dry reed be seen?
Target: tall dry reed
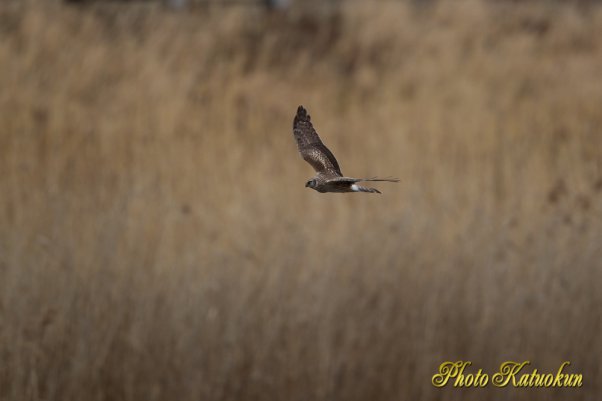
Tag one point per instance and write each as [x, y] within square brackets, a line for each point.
[157, 243]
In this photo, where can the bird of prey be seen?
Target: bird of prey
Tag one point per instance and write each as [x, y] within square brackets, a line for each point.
[328, 173]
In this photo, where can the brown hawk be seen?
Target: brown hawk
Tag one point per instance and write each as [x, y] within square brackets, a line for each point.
[328, 173]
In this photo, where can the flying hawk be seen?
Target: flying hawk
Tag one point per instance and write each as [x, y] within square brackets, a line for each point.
[329, 177]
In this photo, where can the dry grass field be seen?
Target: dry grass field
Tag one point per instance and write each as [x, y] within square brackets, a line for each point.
[157, 241]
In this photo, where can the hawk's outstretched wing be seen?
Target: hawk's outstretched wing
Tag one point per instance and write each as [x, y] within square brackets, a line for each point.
[311, 147]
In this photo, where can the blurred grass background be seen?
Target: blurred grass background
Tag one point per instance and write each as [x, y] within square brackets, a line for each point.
[157, 241]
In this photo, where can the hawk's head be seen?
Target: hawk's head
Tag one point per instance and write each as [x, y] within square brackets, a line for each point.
[311, 183]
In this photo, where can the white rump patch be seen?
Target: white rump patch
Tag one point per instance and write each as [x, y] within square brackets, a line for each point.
[355, 188]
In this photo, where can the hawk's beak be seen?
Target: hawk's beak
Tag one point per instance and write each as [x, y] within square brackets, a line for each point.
[306, 184]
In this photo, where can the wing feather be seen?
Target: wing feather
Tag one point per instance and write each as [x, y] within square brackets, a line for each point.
[311, 147]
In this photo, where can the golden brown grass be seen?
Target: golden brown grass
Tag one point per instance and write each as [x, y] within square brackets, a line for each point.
[157, 243]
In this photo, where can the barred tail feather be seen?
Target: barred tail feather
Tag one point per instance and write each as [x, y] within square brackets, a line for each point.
[388, 179]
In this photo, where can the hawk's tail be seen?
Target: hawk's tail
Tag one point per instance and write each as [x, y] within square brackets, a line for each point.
[359, 188]
[388, 179]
